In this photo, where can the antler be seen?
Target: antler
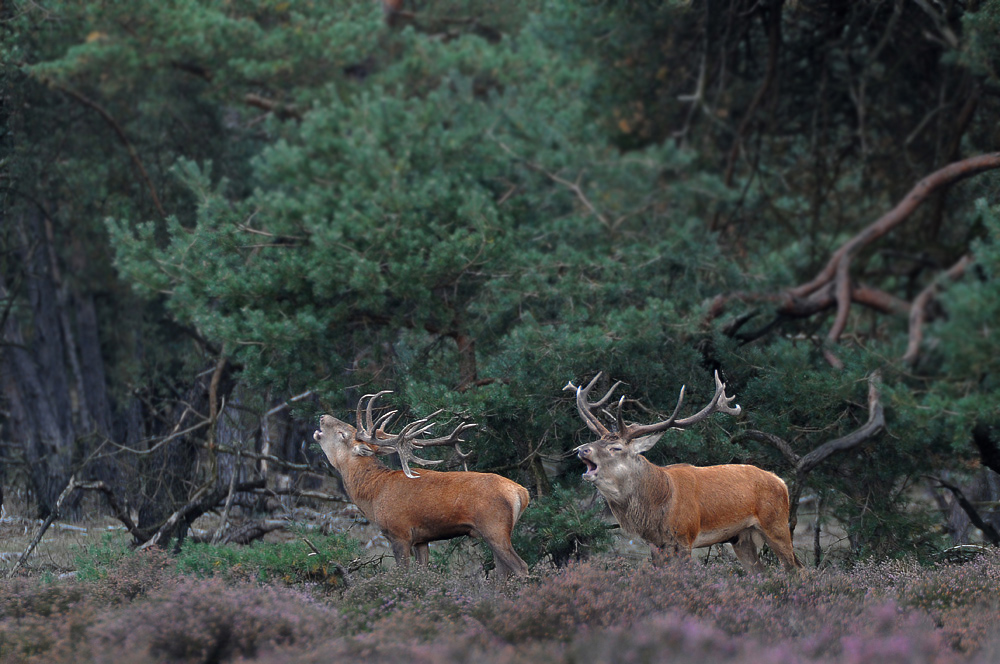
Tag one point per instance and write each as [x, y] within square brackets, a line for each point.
[367, 428]
[587, 408]
[629, 432]
[404, 442]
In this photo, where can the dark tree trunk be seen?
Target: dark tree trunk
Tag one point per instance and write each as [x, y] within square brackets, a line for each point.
[51, 368]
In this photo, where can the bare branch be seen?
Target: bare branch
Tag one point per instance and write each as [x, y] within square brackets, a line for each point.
[124, 139]
[970, 510]
[943, 177]
[834, 280]
[875, 423]
[777, 442]
[919, 309]
[282, 111]
[806, 464]
[53, 515]
[197, 506]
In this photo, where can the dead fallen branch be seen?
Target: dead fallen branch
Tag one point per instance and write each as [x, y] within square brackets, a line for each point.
[53, 515]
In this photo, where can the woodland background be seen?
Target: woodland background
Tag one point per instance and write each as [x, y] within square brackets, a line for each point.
[222, 218]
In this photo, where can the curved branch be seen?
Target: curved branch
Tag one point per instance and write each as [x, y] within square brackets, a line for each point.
[875, 423]
[832, 285]
[919, 309]
[808, 462]
[970, 511]
[776, 442]
[943, 177]
[282, 111]
[86, 101]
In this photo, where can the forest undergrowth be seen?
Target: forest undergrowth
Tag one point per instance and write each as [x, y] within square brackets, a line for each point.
[211, 604]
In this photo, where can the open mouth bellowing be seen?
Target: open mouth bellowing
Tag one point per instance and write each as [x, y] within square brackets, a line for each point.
[591, 468]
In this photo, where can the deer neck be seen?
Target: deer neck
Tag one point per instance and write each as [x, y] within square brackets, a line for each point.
[634, 506]
[363, 479]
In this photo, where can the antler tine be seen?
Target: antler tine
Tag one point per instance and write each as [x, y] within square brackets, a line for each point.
[403, 446]
[586, 408]
[635, 431]
[383, 422]
[606, 397]
[462, 456]
[720, 403]
[450, 439]
[454, 438]
[366, 429]
[618, 415]
[406, 441]
[371, 425]
[357, 414]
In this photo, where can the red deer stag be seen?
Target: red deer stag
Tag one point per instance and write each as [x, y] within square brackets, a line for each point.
[413, 509]
[681, 507]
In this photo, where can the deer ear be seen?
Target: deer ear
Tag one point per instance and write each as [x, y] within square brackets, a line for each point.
[362, 450]
[640, 445]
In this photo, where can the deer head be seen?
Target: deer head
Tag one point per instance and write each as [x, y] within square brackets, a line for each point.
[340, 440]
[613, 459]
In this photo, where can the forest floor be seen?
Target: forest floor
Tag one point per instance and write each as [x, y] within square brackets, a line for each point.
[63, 541]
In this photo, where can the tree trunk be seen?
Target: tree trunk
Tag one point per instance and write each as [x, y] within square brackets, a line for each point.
[51, 369]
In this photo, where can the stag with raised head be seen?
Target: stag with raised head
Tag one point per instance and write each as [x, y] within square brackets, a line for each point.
[412, 509]
[680, 507]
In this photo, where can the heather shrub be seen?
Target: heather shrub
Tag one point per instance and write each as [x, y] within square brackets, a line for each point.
[771, 607]
[947, 586]
[581, 595]
[681, 638]
[602, 610]
[210, 620]
[24, 597]
[287, 562]
[132, 576]
[426, 595]
[963, 599]
[40, 620]
[452, 648]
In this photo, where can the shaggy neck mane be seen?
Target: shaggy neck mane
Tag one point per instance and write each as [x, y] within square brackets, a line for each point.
[650, 487]
[365, 477]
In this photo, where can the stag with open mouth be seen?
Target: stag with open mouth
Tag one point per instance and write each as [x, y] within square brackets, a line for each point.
[681, 507]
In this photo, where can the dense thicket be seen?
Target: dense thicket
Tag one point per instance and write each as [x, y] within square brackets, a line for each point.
[212, 207]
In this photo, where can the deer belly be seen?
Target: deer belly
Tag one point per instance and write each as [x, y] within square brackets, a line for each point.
[710, 536]
[432, 532]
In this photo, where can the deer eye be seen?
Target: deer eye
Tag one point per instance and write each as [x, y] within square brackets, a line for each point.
[616, 448]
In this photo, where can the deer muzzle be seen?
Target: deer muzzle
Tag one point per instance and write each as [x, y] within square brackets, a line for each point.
[584, 454]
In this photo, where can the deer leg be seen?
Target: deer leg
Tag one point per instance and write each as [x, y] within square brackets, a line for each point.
[422, 553]
[401, 552]
[507, 561]
[780, 540]
[745, 549]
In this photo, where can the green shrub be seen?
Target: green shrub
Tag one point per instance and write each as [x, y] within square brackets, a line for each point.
[556, 527]
[94, 561]
[289, 562]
